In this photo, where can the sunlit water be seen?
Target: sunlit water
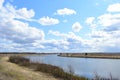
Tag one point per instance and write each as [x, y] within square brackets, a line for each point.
[87, 67]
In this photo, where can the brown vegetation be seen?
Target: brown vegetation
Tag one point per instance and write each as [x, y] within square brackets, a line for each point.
[11, 71]
[46, 68]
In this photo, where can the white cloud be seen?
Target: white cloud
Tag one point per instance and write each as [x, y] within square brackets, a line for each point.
[16, 34]
[110, 21]
[12, 12]
[24, 13]
[76, 27]
[69, 35]
[105, 41]
[99, 34]
[65, 11]
[90, 20]
[48, 21]
[1, 3]
[105, 20]
[57, 33]
[53, 44]
[20, 32]
[114, 8]
[69, 41]
[105, 37]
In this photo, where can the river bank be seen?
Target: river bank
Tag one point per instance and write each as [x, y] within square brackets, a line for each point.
[53, 70]
[12, 74]
[92, 55]
[25, 70]
[11, 71]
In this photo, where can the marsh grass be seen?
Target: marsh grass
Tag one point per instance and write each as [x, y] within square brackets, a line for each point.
[46, 68]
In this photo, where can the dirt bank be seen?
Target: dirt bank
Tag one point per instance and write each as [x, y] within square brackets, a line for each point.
[10, 71]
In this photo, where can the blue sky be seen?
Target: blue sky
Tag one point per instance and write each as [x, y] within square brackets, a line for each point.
[60, 25]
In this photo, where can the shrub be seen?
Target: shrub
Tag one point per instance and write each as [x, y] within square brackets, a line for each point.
[19, 60]
[46, 68]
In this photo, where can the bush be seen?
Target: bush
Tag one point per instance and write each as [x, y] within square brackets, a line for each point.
[46, 68]
[19, 60]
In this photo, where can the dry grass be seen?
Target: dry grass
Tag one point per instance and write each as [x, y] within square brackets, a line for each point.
[46, 68]
[11, 71]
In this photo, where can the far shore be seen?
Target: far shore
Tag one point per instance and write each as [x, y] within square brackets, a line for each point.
[24, 53]
[92, 55]
[76, 55]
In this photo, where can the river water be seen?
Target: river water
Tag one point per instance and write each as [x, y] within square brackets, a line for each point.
[87, 67]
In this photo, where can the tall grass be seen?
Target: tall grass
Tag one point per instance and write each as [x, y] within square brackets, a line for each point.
[46, 68]
[98, 77]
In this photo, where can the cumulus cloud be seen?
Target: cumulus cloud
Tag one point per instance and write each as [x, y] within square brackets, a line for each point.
[48, 21]
[65, 11]
[114, 8]
[90, 20]
[109, 19]
[22, 13]
[20, 32]
[56, 44]
[70, 41]
[56, 33]
[105, 37]
[17, 34]
[105, 41]
[99, 34]
[110, 22]
[76, 27]
[69, 35]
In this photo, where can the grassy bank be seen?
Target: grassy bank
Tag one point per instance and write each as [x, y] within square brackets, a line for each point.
[12, 71]
[9, 71]
[46, 68]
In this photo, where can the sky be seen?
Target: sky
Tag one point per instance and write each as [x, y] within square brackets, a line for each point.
[60, 26]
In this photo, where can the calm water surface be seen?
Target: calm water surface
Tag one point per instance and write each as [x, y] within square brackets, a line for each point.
[87, 67]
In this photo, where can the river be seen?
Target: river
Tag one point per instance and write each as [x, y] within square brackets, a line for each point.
[87, 67]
